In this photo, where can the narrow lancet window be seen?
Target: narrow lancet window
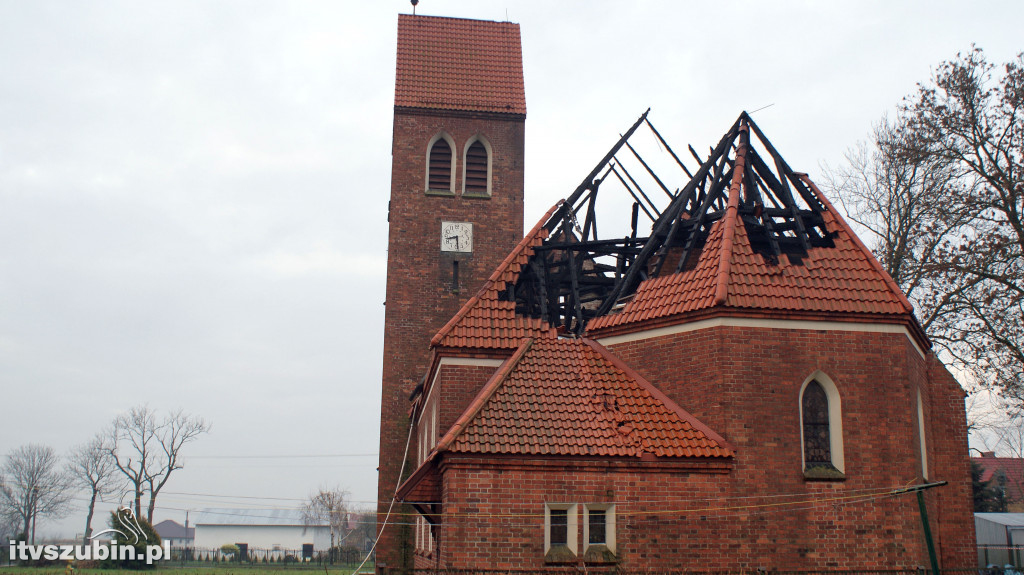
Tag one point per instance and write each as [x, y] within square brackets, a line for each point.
[817, 442]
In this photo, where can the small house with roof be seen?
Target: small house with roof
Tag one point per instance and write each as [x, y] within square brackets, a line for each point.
[176, 534]
[280, 531]
[1005, 474]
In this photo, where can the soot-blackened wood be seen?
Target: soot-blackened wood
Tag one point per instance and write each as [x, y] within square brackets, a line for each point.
[650, 171]
[635, 198]
[667, 147]
[556, 218]
[577, 307]
[638, 188]
[633, 275]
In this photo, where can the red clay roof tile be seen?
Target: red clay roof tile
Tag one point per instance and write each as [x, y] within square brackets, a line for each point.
[573, 397]
[729, 274]
[459, 64]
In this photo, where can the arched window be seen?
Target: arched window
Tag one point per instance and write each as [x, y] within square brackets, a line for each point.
[821, 428]
[440, 165]
[817, 445]
[477, 168]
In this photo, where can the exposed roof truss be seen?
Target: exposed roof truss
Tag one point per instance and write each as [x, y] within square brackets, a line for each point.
[577, 275]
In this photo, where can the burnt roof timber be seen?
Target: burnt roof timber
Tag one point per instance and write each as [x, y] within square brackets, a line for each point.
[572, 270]
[556, 217]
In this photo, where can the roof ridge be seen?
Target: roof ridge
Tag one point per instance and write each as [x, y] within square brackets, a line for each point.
[486, 392]
[891, 283]
[493, 278]
[659, 395]
[428, 16]
[725, 257]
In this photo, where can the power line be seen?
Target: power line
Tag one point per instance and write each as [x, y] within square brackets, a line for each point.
[285, 456]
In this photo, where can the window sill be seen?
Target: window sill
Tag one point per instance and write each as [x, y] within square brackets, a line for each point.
[599, 554]
[559, 554]
[824, 473]
[446, 193]
[476, 195]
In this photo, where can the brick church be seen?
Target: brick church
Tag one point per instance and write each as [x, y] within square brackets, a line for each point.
[733, 382]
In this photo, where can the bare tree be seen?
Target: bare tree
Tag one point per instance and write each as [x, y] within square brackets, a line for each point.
[147, 450]
[973, 120]
[330, 506]
[34, 486]
[94, 470]
[940, 188]
[176, 430]
[910, 202]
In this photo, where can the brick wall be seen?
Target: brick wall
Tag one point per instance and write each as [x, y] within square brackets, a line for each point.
[672, 519]
[744, 383]
[458, 385]
[951, 506]
[420, 293]
[760, 511]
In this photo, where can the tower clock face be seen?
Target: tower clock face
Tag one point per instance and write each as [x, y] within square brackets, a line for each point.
[456, 237]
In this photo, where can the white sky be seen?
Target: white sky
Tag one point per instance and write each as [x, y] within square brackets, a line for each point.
[193, 193]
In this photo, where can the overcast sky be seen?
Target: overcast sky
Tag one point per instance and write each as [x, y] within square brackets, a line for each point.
[193, 195]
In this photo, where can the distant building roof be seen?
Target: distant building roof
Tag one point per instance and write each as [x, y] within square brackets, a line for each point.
[1008, 519]
[170, 529]
[1010, 468]
[223, 516]
[459, 64]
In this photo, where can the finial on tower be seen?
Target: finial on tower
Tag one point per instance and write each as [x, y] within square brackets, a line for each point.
[414, 3]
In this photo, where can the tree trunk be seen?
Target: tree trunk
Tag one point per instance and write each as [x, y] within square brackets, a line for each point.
[88, 519]
[138, 502]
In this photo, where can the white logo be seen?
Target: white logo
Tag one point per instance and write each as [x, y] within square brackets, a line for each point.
[126, 517]
[20, 551]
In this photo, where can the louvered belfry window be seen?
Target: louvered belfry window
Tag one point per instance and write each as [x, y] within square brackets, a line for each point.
[440, 174]
[476, 169]
[817, 443]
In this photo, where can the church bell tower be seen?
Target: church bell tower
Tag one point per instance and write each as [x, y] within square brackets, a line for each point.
[456, 209]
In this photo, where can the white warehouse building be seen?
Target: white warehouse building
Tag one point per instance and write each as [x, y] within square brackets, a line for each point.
[279, 530]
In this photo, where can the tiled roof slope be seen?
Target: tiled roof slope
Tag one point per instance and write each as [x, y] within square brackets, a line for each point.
[488, 322]
[1011, 469]
[573, 397]
[459, 64]
[844, 278]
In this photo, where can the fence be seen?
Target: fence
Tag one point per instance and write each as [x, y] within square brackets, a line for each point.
[276, 556]
[995, 570]
[1001, 556]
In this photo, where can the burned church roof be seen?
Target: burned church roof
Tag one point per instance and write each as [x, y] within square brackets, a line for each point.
[745, 235]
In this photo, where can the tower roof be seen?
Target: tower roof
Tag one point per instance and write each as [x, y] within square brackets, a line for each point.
[459, 64]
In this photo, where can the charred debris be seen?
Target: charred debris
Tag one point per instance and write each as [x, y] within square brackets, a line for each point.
[576, 275]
